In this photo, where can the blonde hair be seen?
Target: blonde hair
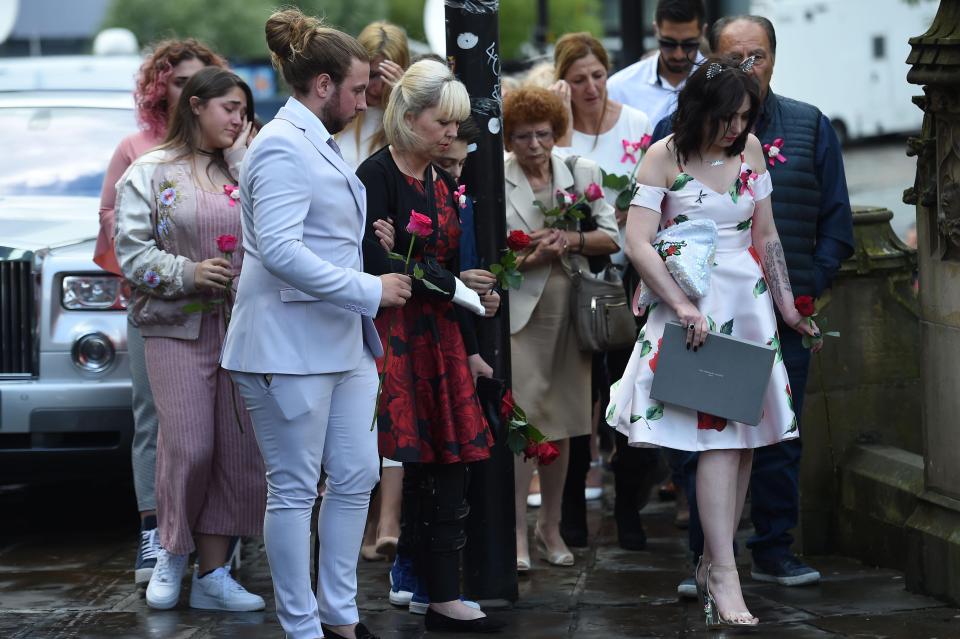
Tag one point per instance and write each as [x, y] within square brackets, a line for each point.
[541, 75]
[302, 48]
[425, 84]
[386, 40]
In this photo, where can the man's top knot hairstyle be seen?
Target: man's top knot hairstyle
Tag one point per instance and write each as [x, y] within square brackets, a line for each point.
[302, 47]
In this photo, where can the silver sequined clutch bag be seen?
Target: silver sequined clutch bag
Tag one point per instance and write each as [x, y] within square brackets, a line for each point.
[688, 250]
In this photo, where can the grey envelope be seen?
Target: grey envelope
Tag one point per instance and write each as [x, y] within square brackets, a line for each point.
[726, 377]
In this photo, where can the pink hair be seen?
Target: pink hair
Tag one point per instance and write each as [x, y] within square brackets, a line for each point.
[151, 90]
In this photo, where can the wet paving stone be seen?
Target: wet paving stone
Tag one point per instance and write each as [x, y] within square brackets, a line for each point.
[80, 586]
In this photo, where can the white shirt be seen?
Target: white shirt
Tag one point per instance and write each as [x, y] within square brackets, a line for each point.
[641, 86]
[354, 154]
[615, 151]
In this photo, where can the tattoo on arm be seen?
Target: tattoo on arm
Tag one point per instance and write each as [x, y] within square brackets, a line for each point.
[775, 269]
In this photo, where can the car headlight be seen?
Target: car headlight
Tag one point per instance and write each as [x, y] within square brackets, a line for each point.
[93, 352]
[95, 293]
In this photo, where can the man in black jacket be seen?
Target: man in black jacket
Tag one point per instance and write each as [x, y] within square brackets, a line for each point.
[811, 208]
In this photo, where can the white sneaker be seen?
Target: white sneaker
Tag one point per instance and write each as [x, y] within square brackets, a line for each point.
[220, 591]
[163, 591]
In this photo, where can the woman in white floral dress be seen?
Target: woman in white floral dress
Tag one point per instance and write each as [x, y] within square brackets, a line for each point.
[712, 168]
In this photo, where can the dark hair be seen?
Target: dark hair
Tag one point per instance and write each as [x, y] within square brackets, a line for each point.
[302, 48]
[680, 11]
[705, 106]
[468, 131]
[716, 30]
[183, 132]
[429, 56]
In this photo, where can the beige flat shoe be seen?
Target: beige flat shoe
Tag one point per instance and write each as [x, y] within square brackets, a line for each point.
[369, 553]
[523, 564]
[556, 558]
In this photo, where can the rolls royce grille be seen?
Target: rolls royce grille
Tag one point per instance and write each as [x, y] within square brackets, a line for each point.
[17, 352]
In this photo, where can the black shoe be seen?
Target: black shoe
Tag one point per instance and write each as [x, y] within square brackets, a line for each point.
[574, 537]
[632, 539]
[630, 533]
[361, 632]
[786, 571]
[435, 622]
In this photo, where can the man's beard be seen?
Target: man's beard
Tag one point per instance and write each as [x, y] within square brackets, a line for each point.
[333, 120]
[677, 67]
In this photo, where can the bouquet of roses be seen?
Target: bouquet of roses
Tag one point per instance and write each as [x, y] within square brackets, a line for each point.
[523, 437]
[570, 206]
[806, 307]
[626, 185]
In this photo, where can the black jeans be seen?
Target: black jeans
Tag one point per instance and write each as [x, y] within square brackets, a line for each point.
[432, 520]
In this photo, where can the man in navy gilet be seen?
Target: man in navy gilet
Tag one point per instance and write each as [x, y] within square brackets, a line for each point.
[812, 211]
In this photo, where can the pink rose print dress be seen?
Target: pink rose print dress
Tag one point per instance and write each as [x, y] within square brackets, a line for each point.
[738, 303]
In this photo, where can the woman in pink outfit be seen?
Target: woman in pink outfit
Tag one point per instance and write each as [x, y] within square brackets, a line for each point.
[159, 84]
[178, 224]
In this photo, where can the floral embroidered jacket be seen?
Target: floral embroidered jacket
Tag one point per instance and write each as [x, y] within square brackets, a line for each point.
[156, 231]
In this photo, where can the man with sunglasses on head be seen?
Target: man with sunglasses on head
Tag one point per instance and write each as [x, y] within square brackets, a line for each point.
[652, 84]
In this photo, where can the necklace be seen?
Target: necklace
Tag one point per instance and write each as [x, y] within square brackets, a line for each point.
[718, 163]
[406, 166]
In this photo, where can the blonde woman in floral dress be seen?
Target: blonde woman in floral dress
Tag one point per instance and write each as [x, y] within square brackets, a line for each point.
[711, 168]
[174, 204]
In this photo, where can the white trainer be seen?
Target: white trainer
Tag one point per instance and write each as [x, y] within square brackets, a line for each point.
[220, 591]
[163, 591]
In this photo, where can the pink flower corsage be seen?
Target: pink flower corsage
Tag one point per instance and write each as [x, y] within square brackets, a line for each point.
[232, 192]
[746, 177]
[629, 148]
[461, 194]
[774, 152]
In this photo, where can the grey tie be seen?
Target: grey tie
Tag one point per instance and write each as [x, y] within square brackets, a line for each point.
[336, 147]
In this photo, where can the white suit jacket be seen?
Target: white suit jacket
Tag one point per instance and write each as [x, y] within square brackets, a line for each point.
[304, 305]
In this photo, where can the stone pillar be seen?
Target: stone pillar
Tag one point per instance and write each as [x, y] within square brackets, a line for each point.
[864, 387]
[934, 527]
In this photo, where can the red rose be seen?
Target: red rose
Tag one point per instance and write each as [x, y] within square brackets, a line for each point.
[706, 421]
[593, 192]
[530, 452]
[805, 305]
[506, 405]
[420, 225]
[671, 250]
[656, 356]
[227, 243]
[518, 240]
[547, 453]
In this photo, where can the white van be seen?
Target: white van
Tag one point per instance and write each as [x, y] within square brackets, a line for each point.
[848, 58]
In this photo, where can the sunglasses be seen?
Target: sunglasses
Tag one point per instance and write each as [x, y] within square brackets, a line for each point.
[688, 46]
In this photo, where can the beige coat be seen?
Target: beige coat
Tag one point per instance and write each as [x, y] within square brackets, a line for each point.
[522, 214]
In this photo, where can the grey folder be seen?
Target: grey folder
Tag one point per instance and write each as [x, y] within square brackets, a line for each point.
[726, 377]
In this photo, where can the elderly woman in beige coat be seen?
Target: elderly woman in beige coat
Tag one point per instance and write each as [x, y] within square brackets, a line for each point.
[551, 374]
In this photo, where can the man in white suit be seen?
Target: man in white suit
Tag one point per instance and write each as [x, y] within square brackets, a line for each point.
[301, 342]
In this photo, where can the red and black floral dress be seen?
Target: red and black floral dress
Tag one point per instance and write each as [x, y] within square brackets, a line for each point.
[428, 411]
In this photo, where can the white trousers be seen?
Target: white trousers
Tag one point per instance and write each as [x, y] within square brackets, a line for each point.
[303, 422]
